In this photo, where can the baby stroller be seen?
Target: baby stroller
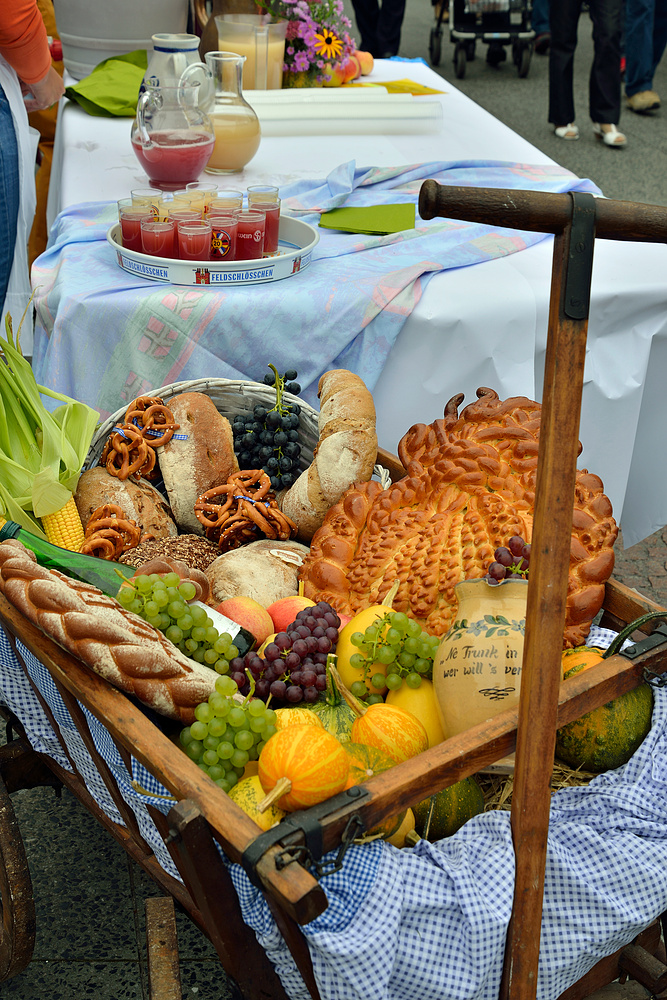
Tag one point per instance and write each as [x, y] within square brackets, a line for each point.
[496, 22]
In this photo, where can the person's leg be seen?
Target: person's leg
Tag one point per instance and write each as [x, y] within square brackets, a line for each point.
[659, 33]
[388, 31]
[564, 17]
[366, 14]
[605, 77]
[9, 193]
[539, 20]
[638, 46]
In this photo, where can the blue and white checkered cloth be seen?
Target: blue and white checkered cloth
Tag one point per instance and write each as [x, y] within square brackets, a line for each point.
[430, 923]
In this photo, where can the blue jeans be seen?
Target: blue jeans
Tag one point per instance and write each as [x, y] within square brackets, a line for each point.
[9, 194]
[645, 41]
[539, 18]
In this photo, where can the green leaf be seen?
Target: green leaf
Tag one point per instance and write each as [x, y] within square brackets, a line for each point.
[13, 512]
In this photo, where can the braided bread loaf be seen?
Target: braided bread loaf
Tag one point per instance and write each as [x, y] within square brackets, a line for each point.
[120, 646]
[470, 486]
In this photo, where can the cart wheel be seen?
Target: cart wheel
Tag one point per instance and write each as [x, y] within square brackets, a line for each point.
[435, 46]
[523, 64]
[460, 62]
[17, 906]
[470, 51]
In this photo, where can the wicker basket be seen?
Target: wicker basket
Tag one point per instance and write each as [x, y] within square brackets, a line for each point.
[230, 397]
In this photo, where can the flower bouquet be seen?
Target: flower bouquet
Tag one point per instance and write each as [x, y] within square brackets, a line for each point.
[317, 43]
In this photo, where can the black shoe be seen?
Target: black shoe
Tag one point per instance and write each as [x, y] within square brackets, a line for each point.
[496, 54]
[542, 43]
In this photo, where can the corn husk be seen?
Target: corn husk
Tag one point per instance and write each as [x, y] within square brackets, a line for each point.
[41, 452]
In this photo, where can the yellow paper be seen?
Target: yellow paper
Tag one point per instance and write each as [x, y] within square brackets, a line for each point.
[403, 87]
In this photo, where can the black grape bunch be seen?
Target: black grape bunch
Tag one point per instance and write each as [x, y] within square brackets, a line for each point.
[268, 439]
[512, 560]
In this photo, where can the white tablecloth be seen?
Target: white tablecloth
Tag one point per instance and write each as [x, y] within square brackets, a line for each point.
[473, 326]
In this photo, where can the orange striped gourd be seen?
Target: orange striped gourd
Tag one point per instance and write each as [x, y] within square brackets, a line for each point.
[301, 766]
[392, 729]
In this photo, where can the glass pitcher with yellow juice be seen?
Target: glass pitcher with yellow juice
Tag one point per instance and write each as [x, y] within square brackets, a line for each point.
[259, 38]
[236, 126]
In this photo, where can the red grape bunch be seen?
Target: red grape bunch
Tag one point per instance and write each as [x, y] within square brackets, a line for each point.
[293, 668]
[512, 560]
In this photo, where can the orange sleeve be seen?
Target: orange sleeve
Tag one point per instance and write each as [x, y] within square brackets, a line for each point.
[23, 40]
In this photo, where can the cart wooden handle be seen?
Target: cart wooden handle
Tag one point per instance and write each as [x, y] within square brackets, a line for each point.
[541, 212]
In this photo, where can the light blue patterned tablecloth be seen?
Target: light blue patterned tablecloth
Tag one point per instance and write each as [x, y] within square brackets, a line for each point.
[105, 336]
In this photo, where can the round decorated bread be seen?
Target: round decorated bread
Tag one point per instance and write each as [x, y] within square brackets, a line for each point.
[470, 486]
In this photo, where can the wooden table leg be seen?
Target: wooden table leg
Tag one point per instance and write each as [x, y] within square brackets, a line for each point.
[16, 900]
[163, 969]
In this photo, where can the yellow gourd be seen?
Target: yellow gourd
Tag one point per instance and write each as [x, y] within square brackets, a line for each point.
[422, 703]
[296, 717]
[247, 794]
[345, 649]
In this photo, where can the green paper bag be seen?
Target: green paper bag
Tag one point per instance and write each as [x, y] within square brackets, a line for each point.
[373, 220]
[112, 89]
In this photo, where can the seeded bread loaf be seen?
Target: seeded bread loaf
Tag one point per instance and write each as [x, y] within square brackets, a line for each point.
[120, 646]
[202, 459]
[140, 501]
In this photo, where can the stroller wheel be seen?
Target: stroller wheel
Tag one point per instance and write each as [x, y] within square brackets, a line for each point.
[523, 62]
[470, 51]
[460, 61]
[435, 46]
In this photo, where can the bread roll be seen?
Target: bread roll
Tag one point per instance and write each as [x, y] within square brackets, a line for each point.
[264, 570]
[345, 453]
[205, 458]
[120, 646]
[140, 501]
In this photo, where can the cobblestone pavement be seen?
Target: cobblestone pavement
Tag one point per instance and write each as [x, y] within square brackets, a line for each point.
[644, 566]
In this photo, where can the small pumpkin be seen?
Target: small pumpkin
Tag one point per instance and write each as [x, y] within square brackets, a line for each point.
[365, 762]
[333, 711]
[247, 794]
[301, 766]
[389, 728]
[608, 736]
[401, 838]
[296, 717]
[444, 813]
[423, 704]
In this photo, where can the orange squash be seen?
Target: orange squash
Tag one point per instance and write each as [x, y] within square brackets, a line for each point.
[392, 729]
[365, 763]
[301, 766]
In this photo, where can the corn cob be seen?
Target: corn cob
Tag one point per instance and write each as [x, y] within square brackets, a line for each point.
[64, 527]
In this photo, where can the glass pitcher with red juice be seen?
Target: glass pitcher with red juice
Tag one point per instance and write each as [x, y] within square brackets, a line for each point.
[171, 136]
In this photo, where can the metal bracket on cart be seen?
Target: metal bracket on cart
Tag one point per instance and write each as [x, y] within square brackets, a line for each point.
[306, 823]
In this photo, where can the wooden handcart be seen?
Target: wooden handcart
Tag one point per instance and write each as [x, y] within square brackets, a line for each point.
[280, 861]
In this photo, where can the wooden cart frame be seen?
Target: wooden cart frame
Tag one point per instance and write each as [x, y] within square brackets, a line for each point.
[282, 861]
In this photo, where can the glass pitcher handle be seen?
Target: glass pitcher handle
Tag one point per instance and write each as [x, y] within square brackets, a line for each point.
[199, 72]
[142, 104]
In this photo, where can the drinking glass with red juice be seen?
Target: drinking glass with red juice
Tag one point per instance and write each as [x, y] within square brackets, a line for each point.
[194, 240]
[157, 238]
[250, 235]
[130, 217]
[272, 212]
[224, 227]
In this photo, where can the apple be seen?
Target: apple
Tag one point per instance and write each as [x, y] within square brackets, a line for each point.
[344, 619]
[249, 614]
[365, 61]
[352, 69]
[284, 611]
[333, 76]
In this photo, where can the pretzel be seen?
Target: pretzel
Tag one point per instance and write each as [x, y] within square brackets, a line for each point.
[242, 510]
[149, 413]
[126, 454]
[109, 533]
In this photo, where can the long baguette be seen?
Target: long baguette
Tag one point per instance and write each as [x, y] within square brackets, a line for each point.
[118, 645]
[345, 453]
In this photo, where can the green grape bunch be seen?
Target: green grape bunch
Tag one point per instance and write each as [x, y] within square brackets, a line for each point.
[399, 645]
[162, 601]
[228, 733]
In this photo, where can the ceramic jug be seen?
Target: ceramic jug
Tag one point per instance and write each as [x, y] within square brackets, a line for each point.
[237, 130]
[172, 54]
[477, 669]
[171, 136]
